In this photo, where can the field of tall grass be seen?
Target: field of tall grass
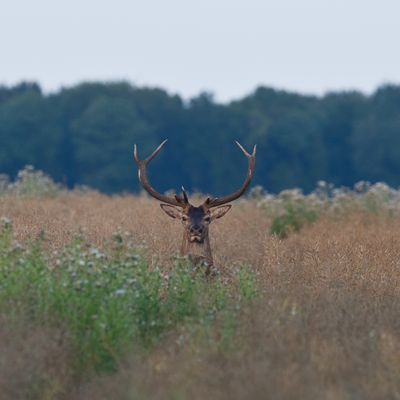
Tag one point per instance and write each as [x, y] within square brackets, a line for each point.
[96, 304]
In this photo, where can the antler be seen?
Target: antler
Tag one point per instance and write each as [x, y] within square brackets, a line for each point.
[142, 174]
[214, 202]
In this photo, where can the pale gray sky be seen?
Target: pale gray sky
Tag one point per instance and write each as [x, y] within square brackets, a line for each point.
[224, 46]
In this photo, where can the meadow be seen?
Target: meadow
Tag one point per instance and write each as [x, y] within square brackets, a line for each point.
[96, 304]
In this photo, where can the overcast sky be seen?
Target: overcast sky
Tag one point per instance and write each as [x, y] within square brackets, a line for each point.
[227, 47]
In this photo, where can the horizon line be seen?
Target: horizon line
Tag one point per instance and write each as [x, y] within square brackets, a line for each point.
[206, 92]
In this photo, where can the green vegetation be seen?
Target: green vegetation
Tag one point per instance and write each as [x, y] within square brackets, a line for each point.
[84, 135]
[108, 302]
[292, 220]
[29, 183]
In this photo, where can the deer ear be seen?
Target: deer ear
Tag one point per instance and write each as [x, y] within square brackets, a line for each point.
[172, 211]
[220, 211]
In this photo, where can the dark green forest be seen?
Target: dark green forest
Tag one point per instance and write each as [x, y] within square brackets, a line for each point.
[84, 135]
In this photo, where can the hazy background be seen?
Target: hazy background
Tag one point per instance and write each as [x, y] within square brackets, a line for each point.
[314, 83]
[228, 47]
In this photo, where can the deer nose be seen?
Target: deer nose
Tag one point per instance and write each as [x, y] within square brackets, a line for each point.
[196, 229]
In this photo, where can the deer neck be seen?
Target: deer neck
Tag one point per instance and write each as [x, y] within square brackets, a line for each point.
[197, 252]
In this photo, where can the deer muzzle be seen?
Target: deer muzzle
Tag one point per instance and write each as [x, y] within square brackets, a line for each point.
[196, 234]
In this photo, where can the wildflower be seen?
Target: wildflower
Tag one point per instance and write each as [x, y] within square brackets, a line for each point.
[96, 253]
[291, 194]
[362, 186]
[6, 222]
[120, 292]
[257, 192]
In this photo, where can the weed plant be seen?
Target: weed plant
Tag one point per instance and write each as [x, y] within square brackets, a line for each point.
[29, 183]
[108, 302]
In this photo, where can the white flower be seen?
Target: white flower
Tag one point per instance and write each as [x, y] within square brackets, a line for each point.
[120, 292]
[96, 252]
[5, 221]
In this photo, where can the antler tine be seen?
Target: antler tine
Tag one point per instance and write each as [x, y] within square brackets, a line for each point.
[184, 197]
[143, 179]
[214, 202]
[151, 156]
[244, 150]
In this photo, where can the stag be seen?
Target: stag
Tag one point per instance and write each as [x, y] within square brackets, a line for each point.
[196, 220]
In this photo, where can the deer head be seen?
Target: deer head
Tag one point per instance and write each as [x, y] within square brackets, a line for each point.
[195, 219]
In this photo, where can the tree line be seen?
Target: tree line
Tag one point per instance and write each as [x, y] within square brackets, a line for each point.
[85, 134]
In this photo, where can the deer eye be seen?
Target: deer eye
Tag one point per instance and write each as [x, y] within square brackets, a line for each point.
[184, 218]
[207, 218]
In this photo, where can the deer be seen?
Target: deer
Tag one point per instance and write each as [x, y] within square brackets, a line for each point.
[195, 219]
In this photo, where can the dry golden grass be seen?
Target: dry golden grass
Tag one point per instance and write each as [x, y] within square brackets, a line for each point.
[326, 327]
[34, 361]
[237, 238]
